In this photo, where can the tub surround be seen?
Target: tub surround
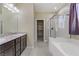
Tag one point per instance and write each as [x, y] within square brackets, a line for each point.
[13, 44]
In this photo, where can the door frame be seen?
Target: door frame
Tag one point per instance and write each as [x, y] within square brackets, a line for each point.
[36, 30]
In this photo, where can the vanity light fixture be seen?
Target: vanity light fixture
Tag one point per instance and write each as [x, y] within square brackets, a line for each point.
[16, 9]
[11, 7]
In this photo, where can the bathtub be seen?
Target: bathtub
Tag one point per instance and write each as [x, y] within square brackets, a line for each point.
[63, 47]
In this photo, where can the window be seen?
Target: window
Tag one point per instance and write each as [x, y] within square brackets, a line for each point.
[61, 21]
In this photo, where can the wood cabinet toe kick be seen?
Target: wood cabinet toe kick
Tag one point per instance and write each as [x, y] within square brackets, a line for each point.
[14, 47]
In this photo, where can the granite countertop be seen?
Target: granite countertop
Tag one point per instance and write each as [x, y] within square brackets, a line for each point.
[7, 38]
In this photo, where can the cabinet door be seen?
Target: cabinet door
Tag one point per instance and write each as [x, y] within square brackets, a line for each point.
[26, 40]
[18, 52]
[8, 49]
[10, 52]
[21, 45]
[1, 54]
[7, 45]
[23, 42]
[18, 46]
[0, 49]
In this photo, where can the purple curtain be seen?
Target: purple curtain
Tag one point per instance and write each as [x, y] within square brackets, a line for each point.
[74, 19]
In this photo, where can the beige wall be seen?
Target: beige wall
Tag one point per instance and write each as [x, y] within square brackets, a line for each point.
[26, 22]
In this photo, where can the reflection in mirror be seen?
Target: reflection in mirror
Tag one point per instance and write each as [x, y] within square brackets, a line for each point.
[0, 19]
[9, 20]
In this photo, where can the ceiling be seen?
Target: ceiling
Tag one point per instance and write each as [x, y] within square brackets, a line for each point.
[47, 7]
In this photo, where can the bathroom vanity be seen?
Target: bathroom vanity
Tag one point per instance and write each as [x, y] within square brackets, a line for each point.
[13, 44]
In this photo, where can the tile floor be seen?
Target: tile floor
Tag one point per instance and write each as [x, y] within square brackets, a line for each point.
[40, 49]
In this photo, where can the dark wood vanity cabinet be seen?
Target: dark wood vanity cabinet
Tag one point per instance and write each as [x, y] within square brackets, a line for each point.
[1, 53]
[14, 47]
[23, 42]
[22, 45]
[0, 50]
[10, 51]
[17, 46]
[7, 49]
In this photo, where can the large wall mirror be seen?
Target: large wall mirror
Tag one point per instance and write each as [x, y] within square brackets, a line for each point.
[8, 19]
[0, 19]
